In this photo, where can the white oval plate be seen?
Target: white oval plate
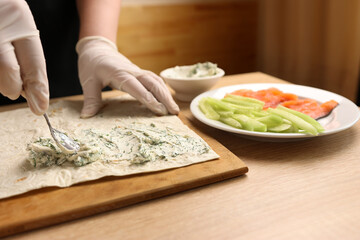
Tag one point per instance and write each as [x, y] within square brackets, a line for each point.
[345, 115]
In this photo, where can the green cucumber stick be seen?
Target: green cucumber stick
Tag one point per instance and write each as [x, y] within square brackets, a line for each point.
[218, 105]
[244, 101]
[225, 114]
[280, 128]
[271, 120]
[231, 122]
[305, 117]
[249, 123]
[297, 121]
[207, 109]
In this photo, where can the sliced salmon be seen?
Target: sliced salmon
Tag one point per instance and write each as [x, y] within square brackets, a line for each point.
[311, 107]
[273, 97]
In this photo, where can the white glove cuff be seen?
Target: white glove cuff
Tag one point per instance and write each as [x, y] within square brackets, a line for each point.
[85, 40]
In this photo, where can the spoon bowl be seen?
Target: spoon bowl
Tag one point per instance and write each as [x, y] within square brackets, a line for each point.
[64, 142]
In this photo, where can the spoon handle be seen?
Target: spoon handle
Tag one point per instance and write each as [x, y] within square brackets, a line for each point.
[47, 120]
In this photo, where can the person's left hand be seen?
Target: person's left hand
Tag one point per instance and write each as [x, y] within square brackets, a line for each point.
[101, 65]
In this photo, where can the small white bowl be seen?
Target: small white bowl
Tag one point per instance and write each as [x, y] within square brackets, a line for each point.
[187, 88]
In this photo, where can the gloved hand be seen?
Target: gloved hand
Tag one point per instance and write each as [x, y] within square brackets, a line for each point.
[100, 65]
[22, 62]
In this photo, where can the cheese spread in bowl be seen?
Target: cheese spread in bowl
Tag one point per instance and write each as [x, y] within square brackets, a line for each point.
[191, 80]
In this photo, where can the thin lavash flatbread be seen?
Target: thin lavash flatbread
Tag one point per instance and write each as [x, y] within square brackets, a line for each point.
[19, 127]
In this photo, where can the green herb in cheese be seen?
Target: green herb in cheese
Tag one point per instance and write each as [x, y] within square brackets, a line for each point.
[198, 70]
[137, 143]
[203, 70]
[44, 152]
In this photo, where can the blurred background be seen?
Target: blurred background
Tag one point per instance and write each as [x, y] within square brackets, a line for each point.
[308, 42]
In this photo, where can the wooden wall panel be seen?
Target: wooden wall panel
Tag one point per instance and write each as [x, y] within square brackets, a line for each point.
[312, 42]
[156, 37]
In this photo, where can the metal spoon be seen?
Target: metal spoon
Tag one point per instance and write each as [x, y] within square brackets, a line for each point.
[65, 143]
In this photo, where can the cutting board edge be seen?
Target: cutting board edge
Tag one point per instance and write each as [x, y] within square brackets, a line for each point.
[8, 230]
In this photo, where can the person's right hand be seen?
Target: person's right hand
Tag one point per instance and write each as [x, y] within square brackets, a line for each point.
[22, 61]
[100, 65]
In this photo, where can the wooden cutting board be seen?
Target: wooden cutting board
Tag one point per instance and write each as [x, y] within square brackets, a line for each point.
[53, 205]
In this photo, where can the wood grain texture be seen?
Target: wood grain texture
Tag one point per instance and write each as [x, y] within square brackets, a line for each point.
[297, 190]
[311, 42]
[52, 205]
[156, 37]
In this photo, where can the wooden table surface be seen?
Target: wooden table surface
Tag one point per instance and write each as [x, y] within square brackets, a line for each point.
[294, 190]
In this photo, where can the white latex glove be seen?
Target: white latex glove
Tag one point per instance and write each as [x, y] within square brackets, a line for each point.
[100, 65]
[22, 62]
